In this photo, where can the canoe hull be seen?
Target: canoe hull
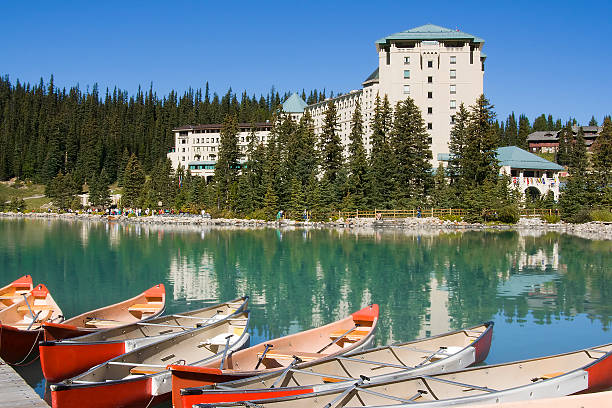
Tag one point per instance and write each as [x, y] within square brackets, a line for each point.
[125, 394]
[18, 346]
[59, 331]
[65, 360]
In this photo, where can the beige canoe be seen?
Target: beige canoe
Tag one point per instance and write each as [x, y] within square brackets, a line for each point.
[14, 291]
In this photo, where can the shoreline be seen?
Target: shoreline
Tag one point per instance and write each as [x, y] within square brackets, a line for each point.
[592, 230]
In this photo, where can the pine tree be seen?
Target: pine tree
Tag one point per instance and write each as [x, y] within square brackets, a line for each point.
[441, 194]
[99, 193]
[357, 162]
[523, 132]
[593, 121]
[602, 163]
[133, 181]
[411, 153]
[226, 169]
[331, 145]
[575, 197]
[539, 124]
[381, 169]
[456, 147]
[480, 157]
[511, 132]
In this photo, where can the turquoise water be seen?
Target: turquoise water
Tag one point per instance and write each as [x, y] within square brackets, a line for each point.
[546, 292]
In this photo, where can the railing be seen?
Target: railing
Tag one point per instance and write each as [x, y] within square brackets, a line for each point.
[424, 212]
[538, 212]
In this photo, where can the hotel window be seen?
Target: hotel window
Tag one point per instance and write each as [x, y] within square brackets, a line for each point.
[429, 64]
[406, 60]
[406, 89]
[452, 119]
[453, 104]
[453, 59]
[429, 110]
[453, 73]
[429, 79]
[429, 95]
[406, 74]
[430, 126]
[453, 89]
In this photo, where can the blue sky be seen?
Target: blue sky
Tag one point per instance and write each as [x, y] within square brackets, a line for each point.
[543, 57]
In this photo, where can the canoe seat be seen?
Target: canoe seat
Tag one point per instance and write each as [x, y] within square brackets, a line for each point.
[35, 308]
[143, 371]
[103, 323]
[551, 375]
[220, 339]
[288, 355]
[352, 337]
[145, 307]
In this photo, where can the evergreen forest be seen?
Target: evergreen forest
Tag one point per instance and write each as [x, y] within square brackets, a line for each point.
[71, 140]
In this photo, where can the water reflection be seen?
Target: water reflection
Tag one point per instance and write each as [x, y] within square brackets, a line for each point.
[426, 282]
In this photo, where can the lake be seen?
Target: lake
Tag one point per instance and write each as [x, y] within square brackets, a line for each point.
[546, 292]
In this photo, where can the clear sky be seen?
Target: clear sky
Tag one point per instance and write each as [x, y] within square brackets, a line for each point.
[543, 56]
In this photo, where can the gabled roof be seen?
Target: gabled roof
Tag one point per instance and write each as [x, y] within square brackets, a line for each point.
[544, 136]
[294, 104]
[518, 158]
[430, 32]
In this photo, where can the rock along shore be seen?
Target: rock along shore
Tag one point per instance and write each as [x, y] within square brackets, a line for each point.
[591, 230]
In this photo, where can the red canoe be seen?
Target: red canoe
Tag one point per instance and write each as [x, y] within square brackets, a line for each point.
[147, 305]
[21, 328]
[140, 378]
[445, 352]
[352, 333]
[14, 291]
[67, 358]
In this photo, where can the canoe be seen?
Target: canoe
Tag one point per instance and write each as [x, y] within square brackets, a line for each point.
[592, 400]
[353, 333]
[14, 291]
[587, 370]
[67, 358]
[442, 353]
[21, 328]
[148, 304]
[140, 378]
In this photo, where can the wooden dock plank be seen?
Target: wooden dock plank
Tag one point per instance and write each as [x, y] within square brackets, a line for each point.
[15, 392]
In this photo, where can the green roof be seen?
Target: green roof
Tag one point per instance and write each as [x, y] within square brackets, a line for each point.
[294, 104]
[521, 159]
[430, 32]
[516, 158]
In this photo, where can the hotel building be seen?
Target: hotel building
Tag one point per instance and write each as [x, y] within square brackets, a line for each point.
[438, 67]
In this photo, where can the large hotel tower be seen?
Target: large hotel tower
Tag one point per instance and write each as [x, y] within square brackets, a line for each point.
[438, 67]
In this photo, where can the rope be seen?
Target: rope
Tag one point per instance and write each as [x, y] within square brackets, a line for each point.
[20, 364]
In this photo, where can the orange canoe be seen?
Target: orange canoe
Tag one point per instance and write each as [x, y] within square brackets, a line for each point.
[21, 327]
[147, 305]
[355, 332]
[14, 291]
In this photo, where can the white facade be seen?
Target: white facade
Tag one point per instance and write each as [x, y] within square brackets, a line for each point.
[197, 147]
[437, 67]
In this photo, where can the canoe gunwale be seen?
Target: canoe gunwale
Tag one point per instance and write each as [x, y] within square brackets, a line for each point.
[517, 393]
[78, 340]
[488, 327]
[69, 384]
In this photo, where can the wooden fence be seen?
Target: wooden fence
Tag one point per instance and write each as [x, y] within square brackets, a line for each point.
[386, 214]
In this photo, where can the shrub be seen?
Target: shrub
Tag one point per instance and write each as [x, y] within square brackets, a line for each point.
[261, 214]
[508, 214]
[601, 215]
[551, 218]
[582, 216]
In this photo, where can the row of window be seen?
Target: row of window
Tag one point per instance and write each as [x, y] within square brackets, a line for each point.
[453, 90]
[453, 75]
[453, 60]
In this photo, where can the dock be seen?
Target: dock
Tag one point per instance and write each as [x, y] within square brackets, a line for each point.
[15, 392]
